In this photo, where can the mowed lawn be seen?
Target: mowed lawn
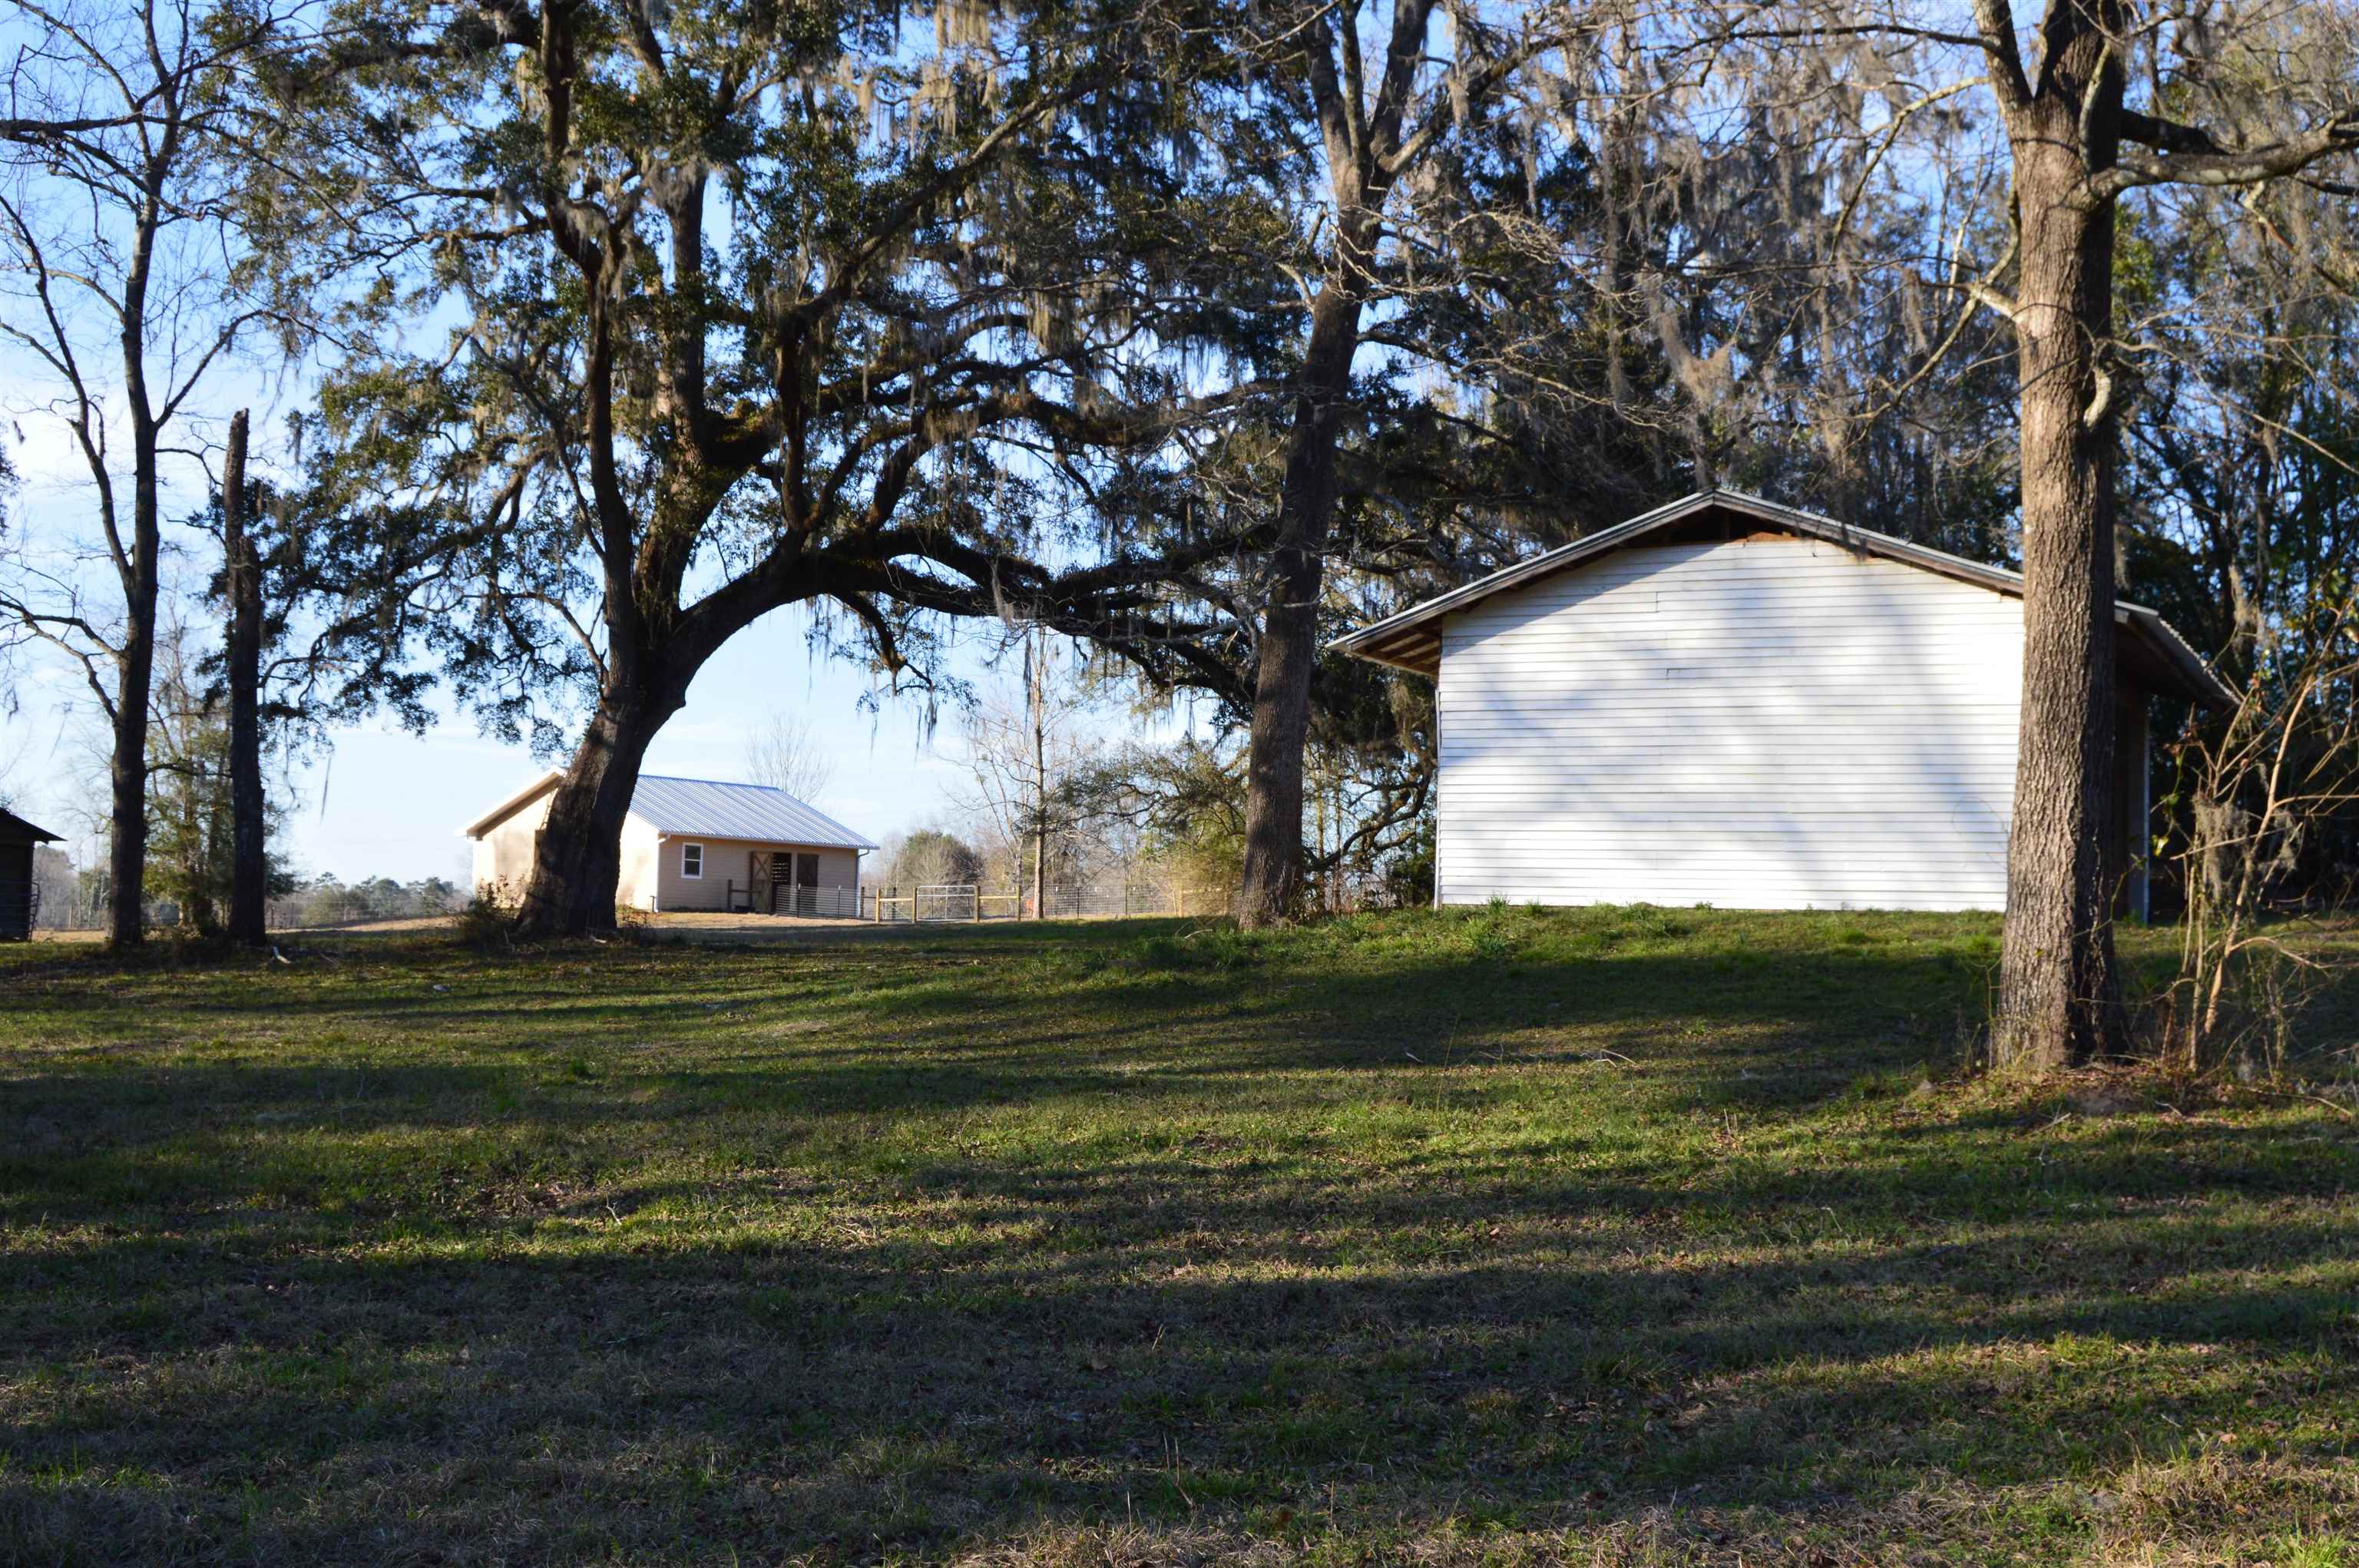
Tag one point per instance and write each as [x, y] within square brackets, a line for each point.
[1614, 1235]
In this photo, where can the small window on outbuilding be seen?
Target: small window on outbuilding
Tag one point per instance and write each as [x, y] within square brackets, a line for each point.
[691, 862]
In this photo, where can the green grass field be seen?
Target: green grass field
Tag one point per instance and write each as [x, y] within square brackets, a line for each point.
[1614, 1235]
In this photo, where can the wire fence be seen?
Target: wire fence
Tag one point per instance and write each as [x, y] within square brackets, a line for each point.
[949, 901]
[786, 898]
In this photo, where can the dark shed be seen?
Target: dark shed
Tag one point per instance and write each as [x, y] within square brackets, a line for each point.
[20, 895]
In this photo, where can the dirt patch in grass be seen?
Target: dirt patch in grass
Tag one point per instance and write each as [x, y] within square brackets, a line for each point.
[1624, 1237]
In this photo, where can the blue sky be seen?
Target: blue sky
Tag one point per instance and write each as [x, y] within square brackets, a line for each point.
[386, 802]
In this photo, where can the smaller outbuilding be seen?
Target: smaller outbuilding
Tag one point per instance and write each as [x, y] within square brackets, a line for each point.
[20, 895]
[694, 844]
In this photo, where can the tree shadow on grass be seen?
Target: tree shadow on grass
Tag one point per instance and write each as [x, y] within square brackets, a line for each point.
[1235, 1259]
[1168, 1336]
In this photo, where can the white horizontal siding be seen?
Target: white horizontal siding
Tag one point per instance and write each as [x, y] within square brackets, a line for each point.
[1770, 723]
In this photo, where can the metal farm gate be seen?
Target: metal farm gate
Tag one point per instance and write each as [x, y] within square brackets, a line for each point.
[947, 901]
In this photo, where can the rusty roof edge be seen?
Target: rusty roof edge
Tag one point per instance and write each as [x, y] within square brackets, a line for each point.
[2204, 684]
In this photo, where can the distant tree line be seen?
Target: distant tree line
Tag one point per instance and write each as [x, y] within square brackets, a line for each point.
[78, 898]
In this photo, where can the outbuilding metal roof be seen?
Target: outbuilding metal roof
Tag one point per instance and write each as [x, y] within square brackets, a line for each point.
[1412, 639]
[691, 807]
[736, 810]
[12, 826]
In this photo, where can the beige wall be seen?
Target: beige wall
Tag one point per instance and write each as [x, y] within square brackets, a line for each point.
[504, 855]
[636, 889]
[728, 860]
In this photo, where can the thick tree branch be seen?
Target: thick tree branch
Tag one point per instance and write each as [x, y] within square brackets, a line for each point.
[2252, 167]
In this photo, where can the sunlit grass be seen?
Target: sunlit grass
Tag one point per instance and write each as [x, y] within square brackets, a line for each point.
[1618, 1235]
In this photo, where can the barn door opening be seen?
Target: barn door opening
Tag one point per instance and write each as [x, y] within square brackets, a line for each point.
[793, 883]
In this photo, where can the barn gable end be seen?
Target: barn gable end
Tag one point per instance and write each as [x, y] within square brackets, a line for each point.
[1731, 703]
[1769, 722]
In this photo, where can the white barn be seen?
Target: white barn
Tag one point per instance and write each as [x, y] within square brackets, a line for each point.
[1729, 702]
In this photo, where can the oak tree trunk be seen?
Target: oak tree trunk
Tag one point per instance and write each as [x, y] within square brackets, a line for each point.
[2058, 1000]
[1290, 632]
[578, 862]
[249, 864]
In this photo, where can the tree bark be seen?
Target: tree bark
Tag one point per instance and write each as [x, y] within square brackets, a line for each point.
[248, 874]
[135, 664]
[2058, 995]
[1288, 649]
[578, 862]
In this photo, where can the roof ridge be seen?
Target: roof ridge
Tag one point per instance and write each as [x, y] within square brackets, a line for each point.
[717, 783]
[781, 807]
[1371, 641]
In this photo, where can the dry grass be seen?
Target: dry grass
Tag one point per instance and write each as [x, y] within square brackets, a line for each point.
[1613, 1236]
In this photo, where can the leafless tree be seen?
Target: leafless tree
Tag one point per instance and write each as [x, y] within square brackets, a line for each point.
[786, 755]
[116, 256]
[1027, 747]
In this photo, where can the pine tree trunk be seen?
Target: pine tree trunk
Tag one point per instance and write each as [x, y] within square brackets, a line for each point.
[134, 666]
[579, 862]
[248, 874]
[1288, 648]
[2059, 999]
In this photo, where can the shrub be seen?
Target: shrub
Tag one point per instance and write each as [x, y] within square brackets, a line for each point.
[483, 920]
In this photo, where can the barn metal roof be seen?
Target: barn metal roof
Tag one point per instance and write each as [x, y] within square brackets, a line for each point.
[1412, 639]
[736, 810]
[703, 806]
[14, 826]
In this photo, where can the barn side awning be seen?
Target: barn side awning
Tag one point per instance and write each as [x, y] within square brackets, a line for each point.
[2150, 649]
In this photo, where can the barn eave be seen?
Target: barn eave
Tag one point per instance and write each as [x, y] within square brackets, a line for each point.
[1411, 640]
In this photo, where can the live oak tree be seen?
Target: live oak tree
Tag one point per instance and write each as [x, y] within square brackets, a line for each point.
[756, 307]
